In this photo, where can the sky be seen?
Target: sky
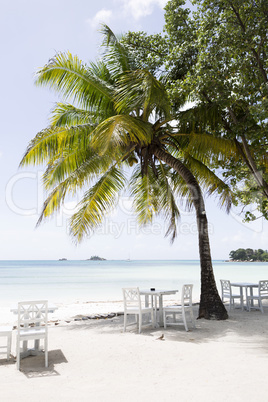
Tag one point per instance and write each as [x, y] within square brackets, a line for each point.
[32, 32]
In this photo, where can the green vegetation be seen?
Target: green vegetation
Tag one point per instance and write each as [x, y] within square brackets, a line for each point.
[249, 254]
[96, 258]
[217, 58]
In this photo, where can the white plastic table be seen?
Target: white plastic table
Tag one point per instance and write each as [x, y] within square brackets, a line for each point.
[246, 286]
[157, 294]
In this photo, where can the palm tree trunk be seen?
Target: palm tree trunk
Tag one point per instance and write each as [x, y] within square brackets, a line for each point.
[211, 306]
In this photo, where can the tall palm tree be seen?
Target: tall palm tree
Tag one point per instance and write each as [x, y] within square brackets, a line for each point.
[122, 116]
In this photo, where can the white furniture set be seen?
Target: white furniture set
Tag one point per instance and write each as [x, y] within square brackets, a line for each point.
[246, 293]
[32, 326]
[135, 305]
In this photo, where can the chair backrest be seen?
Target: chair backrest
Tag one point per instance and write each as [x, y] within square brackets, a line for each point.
[131, 298]
[225, 287]
[186, 295]
[32, 314]
[263, 288]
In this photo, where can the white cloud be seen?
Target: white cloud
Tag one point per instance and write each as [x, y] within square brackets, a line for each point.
[141, 8]
[1, 154]
[102, 16]
[137, 9]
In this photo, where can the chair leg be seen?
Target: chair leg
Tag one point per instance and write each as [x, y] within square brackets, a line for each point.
[140, 322]
[152, 318]
[248, 304]
[18, 355]
[165, 319]
[137, 321]
[125, 322]
[192, 317]
[261, 306]
[184, 320]
[46, 352]
[9, 338]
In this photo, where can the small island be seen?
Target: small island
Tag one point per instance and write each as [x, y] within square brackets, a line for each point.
[248, 254]
[96, 258]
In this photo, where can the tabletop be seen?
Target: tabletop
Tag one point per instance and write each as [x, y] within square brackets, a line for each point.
[158, 292]
[244, 284]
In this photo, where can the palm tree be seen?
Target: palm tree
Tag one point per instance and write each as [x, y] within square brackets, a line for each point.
[123, 116]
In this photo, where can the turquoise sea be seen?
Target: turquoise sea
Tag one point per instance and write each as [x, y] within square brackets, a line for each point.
[71, 281]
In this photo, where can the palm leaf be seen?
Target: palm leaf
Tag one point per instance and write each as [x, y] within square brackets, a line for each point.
[67, 75]
[143, 200]
[153, 195]
[96, 203]
[205, 146]
[119, 131]
[209, 181]
[77, 166]
[53, 141]
[141, 90]
[68, 115]
[116, 56]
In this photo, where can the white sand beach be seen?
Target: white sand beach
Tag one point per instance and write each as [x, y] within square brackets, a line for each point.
[94, 360]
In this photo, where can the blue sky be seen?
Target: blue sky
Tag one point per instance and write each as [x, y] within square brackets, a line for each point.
[31, 33]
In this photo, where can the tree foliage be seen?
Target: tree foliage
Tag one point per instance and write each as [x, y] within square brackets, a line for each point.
[249, 254]
[216, 57]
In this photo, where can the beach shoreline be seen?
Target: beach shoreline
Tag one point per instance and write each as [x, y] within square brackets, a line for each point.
[94, 360]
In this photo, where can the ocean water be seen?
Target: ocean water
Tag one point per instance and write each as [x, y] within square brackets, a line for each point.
[72, 281]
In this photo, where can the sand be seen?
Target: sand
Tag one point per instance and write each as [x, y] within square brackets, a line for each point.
[94, 360]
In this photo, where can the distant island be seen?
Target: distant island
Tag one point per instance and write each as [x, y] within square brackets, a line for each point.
[248, 254]
[96, 258]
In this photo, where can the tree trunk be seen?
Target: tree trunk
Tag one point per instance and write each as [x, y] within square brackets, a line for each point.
[211, 306]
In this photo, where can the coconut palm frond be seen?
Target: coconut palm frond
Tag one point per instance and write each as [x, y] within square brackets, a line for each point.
[116, 56]
[67, 75]
[143, 201]
[140, 89]
[205, 146]
[119, 131]
[80, 167]
[167, 200]
[68, 115]
[211, 182]
[68, 181]
[54, 201]
[109, 38]
[96, 203]
[154, 196]
[53, 141]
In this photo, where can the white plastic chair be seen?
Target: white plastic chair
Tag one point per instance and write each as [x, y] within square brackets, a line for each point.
[186, 306]
[262, 294]
[226, 292]
[32, 325]
[6, 331]
[133, 306]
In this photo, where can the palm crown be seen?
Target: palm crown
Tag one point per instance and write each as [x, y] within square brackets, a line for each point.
[119, 113]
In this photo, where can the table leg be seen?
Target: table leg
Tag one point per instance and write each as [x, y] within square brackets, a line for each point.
[251, 298]
[161, 322]
[146, 300]
[241, 298]
[251, 294]
[155, 311]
